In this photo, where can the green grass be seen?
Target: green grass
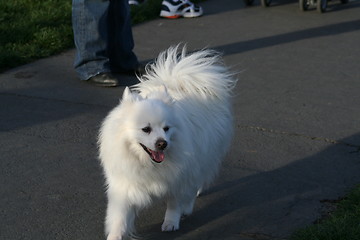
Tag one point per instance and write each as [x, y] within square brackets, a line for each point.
[150, 9]
[342, 224]
[33, 29]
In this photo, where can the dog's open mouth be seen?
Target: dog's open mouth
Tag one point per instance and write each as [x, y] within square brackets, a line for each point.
[157, 157]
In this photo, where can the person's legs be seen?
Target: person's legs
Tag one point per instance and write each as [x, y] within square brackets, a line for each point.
[89, 19]
[120, 41]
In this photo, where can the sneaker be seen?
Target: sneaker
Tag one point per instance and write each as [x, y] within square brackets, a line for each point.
[180, 8]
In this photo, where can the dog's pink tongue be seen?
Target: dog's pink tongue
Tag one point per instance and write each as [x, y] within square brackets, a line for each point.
[158, 156]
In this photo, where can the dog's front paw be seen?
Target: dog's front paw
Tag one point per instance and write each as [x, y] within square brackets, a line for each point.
[113, 237]
[169, 226]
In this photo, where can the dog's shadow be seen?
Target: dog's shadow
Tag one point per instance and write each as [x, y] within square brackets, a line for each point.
[244, 203]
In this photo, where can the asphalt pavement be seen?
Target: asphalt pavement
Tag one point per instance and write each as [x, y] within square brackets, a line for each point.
[297, 128]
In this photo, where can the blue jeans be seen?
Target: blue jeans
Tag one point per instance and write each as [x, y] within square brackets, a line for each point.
[103, 37]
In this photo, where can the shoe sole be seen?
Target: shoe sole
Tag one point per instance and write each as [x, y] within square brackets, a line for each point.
[166, 14]
[103, 85]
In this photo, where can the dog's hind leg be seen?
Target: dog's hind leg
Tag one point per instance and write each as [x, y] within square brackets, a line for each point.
[187, 206]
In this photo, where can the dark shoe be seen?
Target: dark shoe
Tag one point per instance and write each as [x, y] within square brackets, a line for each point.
[104, 80]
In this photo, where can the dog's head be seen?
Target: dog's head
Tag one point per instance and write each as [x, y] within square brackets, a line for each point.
[151, 123]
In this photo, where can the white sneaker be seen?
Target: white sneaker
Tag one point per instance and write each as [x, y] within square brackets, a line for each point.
[180, 8]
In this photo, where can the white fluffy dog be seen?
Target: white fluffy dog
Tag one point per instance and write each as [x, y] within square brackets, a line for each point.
[166, 138]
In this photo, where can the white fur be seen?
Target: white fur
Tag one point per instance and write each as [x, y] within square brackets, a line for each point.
[190, 95]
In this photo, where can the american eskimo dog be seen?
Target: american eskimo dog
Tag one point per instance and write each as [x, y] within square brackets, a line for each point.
[166, 138]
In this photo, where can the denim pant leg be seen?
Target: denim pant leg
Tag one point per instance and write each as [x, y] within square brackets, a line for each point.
[121, 43]
[89, 20]
[103, 37]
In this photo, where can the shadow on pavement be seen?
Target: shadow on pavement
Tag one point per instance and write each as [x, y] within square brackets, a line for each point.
[273, 203]
[316, 32]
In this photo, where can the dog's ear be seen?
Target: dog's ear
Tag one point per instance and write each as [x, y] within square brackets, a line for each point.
[129, 96]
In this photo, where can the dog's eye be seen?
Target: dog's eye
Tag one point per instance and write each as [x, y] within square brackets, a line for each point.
[146, 129]
[166, 129]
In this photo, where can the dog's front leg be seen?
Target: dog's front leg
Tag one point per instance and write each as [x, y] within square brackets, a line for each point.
[172, 216]
[119, 219]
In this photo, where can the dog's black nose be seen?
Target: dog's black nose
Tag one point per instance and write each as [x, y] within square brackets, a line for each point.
[161, 144]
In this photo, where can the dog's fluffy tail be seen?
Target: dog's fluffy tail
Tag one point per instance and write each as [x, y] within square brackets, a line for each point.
[199, 74]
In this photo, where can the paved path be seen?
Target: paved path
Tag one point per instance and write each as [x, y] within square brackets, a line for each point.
[297, 138]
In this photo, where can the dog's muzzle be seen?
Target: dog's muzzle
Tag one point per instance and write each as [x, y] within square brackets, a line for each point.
[157, 156]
